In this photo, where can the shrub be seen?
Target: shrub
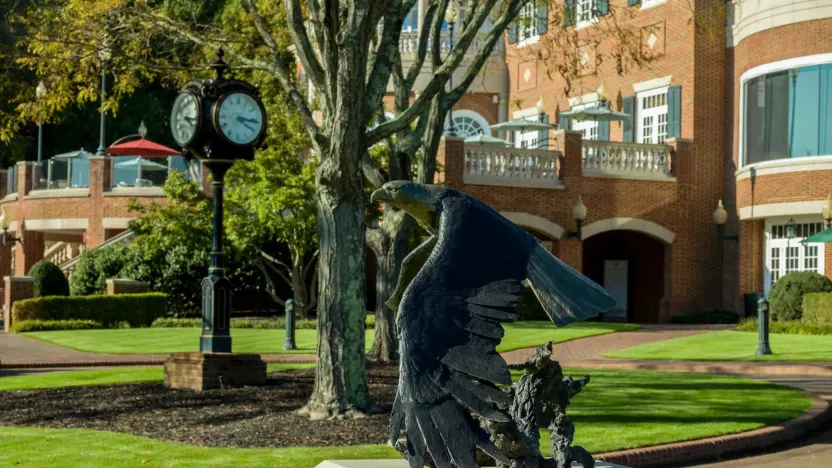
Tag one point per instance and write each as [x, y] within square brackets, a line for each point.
[272, 324]
[707, 318]
[817, 308]
[96, 266]
[786, 296]
[791, 327]
[50, 325]
[138, 310]
[48, 279]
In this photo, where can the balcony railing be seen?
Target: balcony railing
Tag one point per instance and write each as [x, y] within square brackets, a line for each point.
[409, 44]
[626, 160]
[150, 172]
[514, 167]
[61, 174]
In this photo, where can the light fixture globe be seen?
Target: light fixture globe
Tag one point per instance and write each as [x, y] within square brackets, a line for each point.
[579, 210]
[5, 223]
[827, 207]
[451, 14]
[720, 215]
[791, 229]
[40, 90]
[602, 92]
[541, 106]
[142, 130]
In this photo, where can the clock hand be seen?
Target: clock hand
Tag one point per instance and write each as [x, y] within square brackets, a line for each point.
[242, 119]
[246, 126]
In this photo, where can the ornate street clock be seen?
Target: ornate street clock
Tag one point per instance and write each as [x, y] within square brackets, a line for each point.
[218, 121]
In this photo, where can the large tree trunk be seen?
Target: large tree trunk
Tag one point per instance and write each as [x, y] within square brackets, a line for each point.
[340, 379]
[390, 245]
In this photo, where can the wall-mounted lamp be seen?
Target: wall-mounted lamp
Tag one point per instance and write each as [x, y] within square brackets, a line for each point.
[827, 212]
[791, 229]
[720, 217]
[4, 225]
[579, 215]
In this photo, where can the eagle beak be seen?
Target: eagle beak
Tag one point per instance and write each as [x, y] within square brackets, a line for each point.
[381, 195]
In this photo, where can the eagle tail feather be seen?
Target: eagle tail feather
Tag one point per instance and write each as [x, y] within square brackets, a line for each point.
[566, 295]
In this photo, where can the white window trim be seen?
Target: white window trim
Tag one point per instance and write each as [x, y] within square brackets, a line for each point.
[640, 112]
[531, 39]
[471, 115]
[648, 85]
[582, 125]
[790, 243]
[647, 4]
[585, 99]
[593, 16]
[809, 60]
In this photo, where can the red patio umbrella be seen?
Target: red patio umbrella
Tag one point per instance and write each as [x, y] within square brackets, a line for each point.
[144, 148]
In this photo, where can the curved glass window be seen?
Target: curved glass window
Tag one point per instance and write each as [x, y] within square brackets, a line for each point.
[788, 114]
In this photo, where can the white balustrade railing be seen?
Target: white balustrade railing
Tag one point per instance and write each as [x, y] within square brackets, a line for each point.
[626, 160]
[514, 167]
[409, 44]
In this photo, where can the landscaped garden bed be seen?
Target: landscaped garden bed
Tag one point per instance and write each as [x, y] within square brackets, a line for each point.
[617, 410]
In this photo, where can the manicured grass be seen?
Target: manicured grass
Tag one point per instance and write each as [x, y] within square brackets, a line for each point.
[122, 375]
[617, 410]
[264, 341]
[729, 345]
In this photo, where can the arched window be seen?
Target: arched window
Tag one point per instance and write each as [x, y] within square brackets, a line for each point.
[468, 123]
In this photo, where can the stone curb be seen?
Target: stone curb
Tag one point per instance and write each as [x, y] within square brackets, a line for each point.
[750, 368]
[714, 448]
[302, 358]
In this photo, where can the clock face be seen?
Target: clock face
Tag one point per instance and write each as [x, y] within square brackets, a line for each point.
[184, 119]
[240, 118]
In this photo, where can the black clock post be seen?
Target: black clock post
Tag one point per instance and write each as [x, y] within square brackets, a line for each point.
[218, 121]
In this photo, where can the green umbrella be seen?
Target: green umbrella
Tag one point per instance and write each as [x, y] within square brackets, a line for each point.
[522, 125]
[822, 237]
[487, 140]
[597, 114]
[72, 155]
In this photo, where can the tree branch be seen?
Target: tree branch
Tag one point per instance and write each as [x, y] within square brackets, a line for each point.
[310, 263]
[371, 171]
[421, 53]
[306, 53]
[275, 269]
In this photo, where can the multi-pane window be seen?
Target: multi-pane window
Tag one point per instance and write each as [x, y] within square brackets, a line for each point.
[530, 139]
[785, 255]
[527, 22]
[466, 127]
[589, 128]
[585, 12]
[652, 116]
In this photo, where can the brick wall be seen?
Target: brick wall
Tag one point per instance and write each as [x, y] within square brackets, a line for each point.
[126, 286]
[16, 288]
[784, 188]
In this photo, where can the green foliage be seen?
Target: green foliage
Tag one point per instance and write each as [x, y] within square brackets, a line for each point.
[51, 325]
[137, 310]
[786, 296]
[707, 318]
[275, 324]
[48, 279]
[791, 327]
[96, 266]
[817, 308]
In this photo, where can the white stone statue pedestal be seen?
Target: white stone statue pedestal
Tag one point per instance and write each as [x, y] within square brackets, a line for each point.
[402, 463]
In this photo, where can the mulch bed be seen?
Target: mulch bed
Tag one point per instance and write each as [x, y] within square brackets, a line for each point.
[240, 417]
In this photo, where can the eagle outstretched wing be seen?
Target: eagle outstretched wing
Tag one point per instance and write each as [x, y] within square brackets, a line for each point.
[449, 325]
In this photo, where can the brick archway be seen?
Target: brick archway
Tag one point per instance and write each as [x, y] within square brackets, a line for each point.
[643, 226]
[542, 225]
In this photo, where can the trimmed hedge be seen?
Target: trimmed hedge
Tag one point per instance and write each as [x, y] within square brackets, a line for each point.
[786, 297]
[792, 327]
[707, 318]
[48, 280]
[53, 325]
[817, 308]
[137, 310]
[275, 324]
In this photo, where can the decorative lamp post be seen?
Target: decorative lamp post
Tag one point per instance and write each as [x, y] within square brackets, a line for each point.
[579, 215]
[762, 327]
[218, 121]
[290, 325]
[5, 223]
[541, 116]
[720, 217]
[40, 91]
[827, 212]
[451, 15]
[791, 229]
[104, 54]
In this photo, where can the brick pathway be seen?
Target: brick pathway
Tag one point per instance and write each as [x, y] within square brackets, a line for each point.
[814, 453]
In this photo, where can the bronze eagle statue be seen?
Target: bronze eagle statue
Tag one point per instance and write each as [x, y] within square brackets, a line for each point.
[454, 292]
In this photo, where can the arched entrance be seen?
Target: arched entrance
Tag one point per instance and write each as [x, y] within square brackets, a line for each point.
[630, 263]
[544, 230]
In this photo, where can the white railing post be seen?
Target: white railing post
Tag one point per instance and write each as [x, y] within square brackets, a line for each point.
[618, 159]
[517, 167]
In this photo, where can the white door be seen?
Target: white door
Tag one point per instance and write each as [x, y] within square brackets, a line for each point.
[615, 282]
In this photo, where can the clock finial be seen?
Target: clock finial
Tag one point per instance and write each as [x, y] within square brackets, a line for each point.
[219, 65]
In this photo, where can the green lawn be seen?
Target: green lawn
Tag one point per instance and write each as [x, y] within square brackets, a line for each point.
[265, 341]
[618, 410]
[122, 375]
[729, 345]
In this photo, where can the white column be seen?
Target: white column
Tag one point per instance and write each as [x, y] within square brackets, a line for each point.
[422, 8]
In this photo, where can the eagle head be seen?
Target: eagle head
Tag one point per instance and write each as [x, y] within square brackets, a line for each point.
[420, 201]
